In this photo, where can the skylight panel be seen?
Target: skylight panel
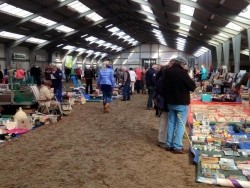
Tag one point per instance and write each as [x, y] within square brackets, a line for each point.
[90, 52]
[113, 29]
[107, 45]
[43, 21]
[64, 29]
[184, 29]
[94, 16]
[185, 9]
[14, 11]
[9, 35]
[245, 13]
[181, 39]
[245, 52]
[68, 47]
[223, 35]
[182, 34]
[80, 50]
[126, 37]
[147, 9]
[233, 26]
[185, 21]
[35, 40]
[91, 38]
[150, 17]
[155, 25]
[100, 42]
[120, 34]
[119, 49]
[214, 43]
[78, 6]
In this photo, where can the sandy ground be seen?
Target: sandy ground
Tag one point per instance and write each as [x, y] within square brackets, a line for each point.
[90, 149]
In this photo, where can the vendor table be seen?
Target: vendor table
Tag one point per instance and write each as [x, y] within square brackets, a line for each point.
[220, 142]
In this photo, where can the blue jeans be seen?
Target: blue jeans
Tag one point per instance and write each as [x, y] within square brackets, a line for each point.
[151, 93]
[126, 91]
[176, 127]
[58, 94]
[107, 93]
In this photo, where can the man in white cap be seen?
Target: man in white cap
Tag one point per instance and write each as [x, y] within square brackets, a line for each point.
[177, 85]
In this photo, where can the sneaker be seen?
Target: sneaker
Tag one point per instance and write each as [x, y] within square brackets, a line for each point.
[161, 145]
[180, 151]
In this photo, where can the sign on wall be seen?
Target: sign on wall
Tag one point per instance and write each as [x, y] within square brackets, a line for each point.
[19, 56]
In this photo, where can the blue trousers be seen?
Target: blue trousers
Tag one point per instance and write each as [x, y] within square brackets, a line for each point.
[126, 91]
[177, 117]
[58, 94]
[107, 93]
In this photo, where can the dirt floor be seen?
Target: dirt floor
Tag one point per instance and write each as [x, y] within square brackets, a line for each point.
[90, 149]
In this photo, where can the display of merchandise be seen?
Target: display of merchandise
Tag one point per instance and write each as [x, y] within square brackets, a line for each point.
[221, 144]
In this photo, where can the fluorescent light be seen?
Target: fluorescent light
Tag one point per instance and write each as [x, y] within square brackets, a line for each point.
[59, 45]
[35, 40]
[185, 9]
[43, 21]
[9, 35]
[109, 25]
[147, 8]
[84, 35]
[64, 29]
[14, 11]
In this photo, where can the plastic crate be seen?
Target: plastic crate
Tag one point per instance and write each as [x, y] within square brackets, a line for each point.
[206, 98]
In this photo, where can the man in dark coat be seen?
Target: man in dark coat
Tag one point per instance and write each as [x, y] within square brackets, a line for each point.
[150, 78]
[177, 87]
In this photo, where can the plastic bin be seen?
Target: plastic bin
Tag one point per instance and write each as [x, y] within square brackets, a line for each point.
[206, 98]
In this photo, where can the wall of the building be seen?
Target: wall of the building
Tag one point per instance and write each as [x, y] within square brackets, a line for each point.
[134, 57]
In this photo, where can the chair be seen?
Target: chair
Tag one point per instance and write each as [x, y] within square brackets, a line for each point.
[44, 105]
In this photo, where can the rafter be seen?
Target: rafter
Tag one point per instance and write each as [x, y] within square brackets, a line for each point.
[41, 12]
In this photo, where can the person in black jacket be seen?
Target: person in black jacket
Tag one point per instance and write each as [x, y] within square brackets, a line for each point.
[177, 87]
[56, 78]
[150, 78]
